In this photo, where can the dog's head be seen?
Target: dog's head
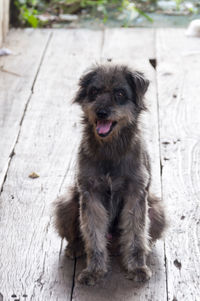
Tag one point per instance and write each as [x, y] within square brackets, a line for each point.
[111, 98]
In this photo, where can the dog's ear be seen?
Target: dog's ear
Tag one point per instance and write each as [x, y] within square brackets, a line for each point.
[83, 84]
[139, 85]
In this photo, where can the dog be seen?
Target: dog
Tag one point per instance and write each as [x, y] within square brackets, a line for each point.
[110, 200]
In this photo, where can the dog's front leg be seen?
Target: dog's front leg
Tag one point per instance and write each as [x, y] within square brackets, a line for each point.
[94, 224]
[134, 236]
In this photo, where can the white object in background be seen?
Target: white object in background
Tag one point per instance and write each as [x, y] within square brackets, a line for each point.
[194, 29]
[5, 51]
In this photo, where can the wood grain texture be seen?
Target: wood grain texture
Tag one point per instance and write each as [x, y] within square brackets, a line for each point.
[17, 75]
[1, 22]
[32, 261]
[4, 19]
[133, 47]
[179, 107]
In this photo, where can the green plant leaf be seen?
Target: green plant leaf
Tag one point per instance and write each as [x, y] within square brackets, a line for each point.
[144, 14]
[29, 16]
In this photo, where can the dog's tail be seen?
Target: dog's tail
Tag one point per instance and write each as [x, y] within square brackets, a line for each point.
[158, 222]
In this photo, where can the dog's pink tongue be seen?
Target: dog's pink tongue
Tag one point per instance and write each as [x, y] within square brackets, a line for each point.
[103, 126]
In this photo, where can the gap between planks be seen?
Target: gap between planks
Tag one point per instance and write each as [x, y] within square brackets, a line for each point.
[159, 146]
[24, 112]
[178, 87]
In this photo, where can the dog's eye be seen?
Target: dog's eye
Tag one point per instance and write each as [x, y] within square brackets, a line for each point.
[119, 93]
[120, 96]
[93, 91]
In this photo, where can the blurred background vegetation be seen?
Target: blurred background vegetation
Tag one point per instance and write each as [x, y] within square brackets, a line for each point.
[94, 13]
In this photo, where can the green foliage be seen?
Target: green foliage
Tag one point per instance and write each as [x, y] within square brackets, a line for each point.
[105, 5]
[28, 12]
[178, 3]
[126, 10]
[28, 9]
[143, 14]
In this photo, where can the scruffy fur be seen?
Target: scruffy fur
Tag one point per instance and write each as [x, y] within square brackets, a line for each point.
[110, 200]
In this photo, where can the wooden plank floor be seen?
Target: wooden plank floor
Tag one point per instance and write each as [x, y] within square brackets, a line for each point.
[40, 132]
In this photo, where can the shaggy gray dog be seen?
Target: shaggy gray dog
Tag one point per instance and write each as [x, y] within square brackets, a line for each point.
[110, 202]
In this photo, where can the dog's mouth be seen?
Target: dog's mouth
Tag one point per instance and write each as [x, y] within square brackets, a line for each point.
[104, 127]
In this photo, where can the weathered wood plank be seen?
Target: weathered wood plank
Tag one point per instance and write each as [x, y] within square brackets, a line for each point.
[1, 21]
[32, 261]
[133, 47]
[17, 76]
[179, 107]
[4, 19]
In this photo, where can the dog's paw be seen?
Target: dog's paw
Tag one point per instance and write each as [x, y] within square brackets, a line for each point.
[73, 253]
[139, 274]
[90, 278]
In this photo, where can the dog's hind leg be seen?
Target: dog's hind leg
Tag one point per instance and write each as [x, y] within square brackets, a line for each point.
[67, 222]
[157, 217]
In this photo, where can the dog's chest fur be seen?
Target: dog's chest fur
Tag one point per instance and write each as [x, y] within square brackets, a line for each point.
[110, 181]
[109, 168]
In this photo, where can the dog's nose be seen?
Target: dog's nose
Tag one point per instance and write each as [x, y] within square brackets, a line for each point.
[102, 114]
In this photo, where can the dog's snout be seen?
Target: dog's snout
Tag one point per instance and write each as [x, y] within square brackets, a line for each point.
[102, 113]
